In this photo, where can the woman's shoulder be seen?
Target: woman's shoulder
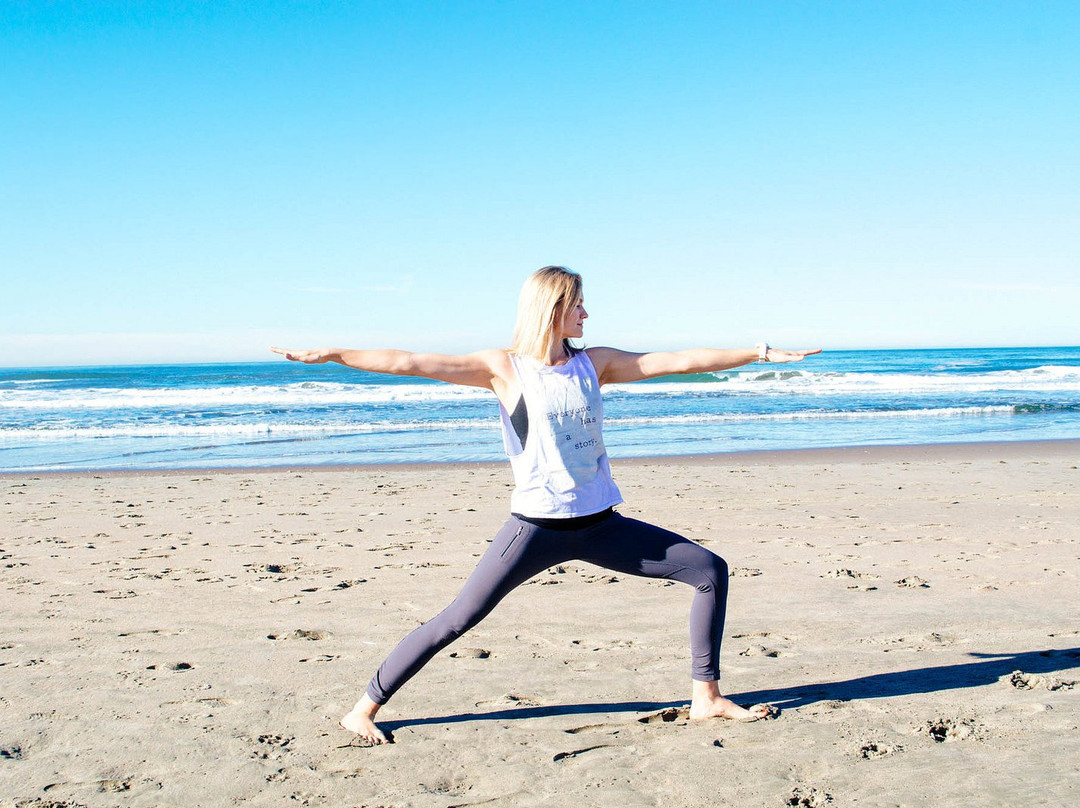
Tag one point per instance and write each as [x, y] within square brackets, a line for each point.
[600, 355]
[495, 358]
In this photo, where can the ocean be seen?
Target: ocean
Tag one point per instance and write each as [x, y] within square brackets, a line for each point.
[282, 414]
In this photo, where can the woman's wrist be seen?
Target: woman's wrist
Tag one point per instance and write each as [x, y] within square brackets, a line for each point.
[762, 349]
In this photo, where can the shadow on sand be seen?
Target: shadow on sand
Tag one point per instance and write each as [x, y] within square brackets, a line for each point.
[986, 670]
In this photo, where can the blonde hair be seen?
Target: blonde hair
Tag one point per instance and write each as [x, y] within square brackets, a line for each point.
[546, 295]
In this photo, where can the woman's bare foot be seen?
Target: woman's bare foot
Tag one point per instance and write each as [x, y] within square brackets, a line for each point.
[708, 703]
[361, 720]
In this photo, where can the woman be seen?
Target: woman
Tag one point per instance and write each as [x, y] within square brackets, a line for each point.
[552, 416]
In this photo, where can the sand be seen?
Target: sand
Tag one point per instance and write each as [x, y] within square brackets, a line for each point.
[190, 639]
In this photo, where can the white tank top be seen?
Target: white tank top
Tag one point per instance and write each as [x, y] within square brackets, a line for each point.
[563, 469]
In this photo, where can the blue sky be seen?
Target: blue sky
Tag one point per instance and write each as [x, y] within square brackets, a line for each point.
[196, 181]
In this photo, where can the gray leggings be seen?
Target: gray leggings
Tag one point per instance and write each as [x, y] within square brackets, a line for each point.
[521, 550]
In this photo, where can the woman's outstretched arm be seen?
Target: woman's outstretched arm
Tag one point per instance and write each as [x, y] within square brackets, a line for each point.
[614, 366]
[479, 369]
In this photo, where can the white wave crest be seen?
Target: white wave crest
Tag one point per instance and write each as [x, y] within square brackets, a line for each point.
[303, 394]
[857, 415]
[1047, 378]
[242, 430]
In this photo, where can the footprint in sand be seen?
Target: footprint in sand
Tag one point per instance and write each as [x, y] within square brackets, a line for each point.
[509, 700]
[1029, 681]
[173, 666]
[471, 653]
[349, 584]
[1024, 681]
[873, 750]
[300, 634]
[273, 571]
[808, 797]
[913, 582]
[825, 707]
[601, 579]
[950, 729]
[760, 650]
[666, 716]
[271, 746]
[853, 574]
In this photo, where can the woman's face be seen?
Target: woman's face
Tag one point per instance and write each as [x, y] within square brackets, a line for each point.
[573, 321]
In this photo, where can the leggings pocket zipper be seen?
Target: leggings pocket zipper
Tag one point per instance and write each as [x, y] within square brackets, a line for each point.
[510, 543]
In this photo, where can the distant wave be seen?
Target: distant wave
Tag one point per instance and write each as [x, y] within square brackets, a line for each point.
[1046, 378]
[166, 430]
[293, 395]
[1035, 409]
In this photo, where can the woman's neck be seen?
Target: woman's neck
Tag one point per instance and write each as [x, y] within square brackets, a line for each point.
[557, 354]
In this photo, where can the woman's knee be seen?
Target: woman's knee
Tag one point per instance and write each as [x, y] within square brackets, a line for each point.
[458, 619]
[714, 569]
[720, 567]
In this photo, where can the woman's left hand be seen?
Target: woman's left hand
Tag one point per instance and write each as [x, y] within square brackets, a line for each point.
[779, 355]
[316, 356]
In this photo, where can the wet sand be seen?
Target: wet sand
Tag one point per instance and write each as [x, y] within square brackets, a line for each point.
[190, 638]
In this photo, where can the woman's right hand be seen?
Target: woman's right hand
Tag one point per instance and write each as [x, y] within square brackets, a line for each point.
[315, 356]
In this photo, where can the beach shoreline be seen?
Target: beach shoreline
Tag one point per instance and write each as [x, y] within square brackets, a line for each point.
[832, 454]
[911, 611]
